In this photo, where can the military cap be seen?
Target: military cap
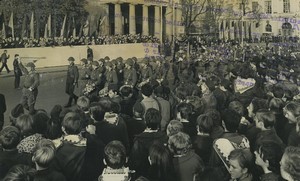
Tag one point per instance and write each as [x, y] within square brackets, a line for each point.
[108, 64]
[129, 62]
[71, 59]
[106, 58]
[30, 64]
[114, 61]
[84, 60]
[95, 63]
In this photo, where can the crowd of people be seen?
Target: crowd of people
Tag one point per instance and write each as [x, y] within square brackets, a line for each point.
[223, 113]
[75, 41]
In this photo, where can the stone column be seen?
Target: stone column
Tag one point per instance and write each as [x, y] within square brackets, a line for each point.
[118, 19]
[132, 23]
[169, 23]
[157, 22]
[106, 25]
[145, 20]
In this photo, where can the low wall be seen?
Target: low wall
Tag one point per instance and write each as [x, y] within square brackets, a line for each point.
[58, 56]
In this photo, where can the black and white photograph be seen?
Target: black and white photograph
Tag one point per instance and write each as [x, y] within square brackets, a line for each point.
[150, 90]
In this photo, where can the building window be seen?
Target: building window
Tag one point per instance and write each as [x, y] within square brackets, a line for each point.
[268, 7]
[286, 6]
[254, 6]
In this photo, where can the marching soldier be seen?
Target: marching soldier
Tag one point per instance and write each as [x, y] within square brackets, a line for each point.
[72, 80]
[97, 78]
[4, 57]
[111, 76]
[30, 89]
[146, 72]
[130, 77]
[85, 73]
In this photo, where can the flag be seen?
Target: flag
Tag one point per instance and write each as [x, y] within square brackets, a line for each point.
[3, 31]
[24, 27]
[49, 26]
[86, 28]
[63, 27]
[46, 31]
[32, 26]
[74, 28]
[11, 24]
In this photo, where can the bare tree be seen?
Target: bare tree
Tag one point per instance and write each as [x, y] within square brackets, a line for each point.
[191, 10]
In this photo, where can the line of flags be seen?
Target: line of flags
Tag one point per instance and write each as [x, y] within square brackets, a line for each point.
[47, 31]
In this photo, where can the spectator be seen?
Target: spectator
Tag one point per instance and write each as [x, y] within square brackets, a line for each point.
[289, 164]
[187, 164]
[267, 156]
[241, 164]
[20, 172]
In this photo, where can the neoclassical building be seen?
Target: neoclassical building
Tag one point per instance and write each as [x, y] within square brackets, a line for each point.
[160, 18]
[262, 18]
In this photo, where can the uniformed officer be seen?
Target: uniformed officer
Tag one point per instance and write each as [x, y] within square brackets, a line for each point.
[97, 79]
[85, 73]
[72, 80]
[146, 71]
[30, 89]
[130, 76]
[111, 76]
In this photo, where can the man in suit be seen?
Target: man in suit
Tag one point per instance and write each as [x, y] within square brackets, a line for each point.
[17, 71]
[72, 80]
[4, 58]
[2, 110]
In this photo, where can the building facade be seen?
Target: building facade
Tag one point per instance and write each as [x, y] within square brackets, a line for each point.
[159, 18]
[259, 19]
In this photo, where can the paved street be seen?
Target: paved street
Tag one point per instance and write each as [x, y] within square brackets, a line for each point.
[51, 90]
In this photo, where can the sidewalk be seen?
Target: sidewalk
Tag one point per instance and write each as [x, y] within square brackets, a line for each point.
[4, 74]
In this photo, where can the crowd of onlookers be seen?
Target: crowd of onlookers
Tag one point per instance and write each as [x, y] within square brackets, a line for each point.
[75, 41]
[224, 113]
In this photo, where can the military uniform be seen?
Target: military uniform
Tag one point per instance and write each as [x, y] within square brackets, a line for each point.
[111, 77]
[97, 78]
[17, 71]
[4, 58]
[85, 74]
[72, 80]
[130, 75]
[30, 89]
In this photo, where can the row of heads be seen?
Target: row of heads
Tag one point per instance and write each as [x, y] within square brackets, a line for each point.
[108, 62]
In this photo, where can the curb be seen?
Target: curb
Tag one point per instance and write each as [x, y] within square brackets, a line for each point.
[40, 70]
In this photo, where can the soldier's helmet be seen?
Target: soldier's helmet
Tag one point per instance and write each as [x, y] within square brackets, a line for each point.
[30, 64]
[95, 63]
[130, 62]
[84, 60]
[71, 59]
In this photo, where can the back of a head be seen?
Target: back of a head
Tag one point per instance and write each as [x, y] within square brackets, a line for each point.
[72, 123]
[290, 163]
[20, 173]
[179, 143]
[276, 104]
[259, 104]
[17, 111]
[231, 120]
[205, 124]
[97, 112]
[24, 123]
[267, 117]
[215, 116]
[174, 127]
[147, 90]
[115, 154]
[10, 137]
[44, 153]
[272, 152]
[83, 103]
[55, 112]
[153, 118]
[126, 91]
[185, 110]
[39, 124]
[138, 110]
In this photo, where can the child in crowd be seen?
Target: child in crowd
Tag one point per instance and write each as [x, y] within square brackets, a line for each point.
[187, 163]
[289, 164]
[115, 160]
